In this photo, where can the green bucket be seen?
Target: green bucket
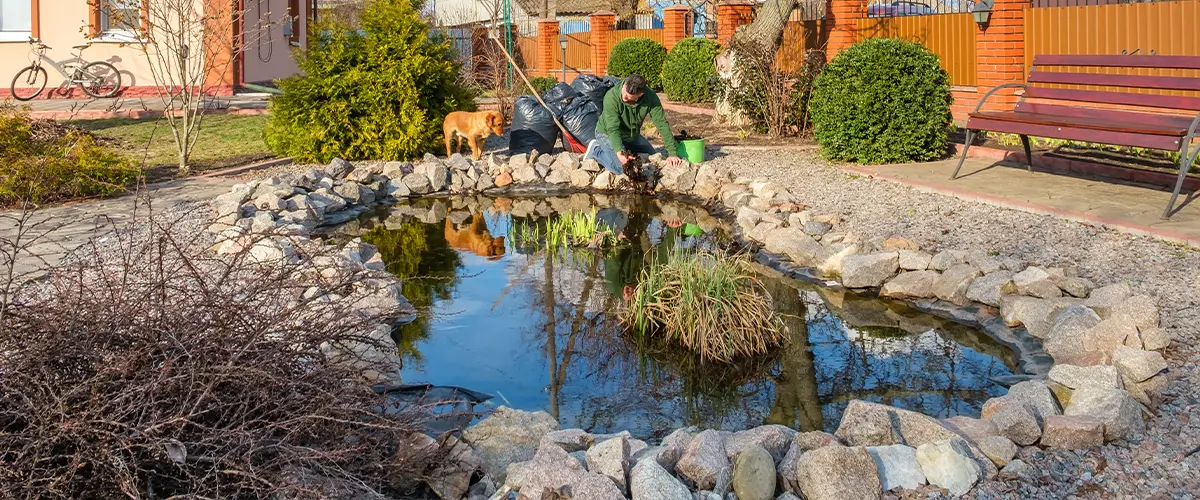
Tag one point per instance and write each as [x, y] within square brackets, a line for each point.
[693, 150]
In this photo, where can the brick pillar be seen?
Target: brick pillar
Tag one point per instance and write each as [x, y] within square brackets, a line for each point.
[547, 45]
[843, 17]
[602, 25]
[730, 15]
[675, 25]
[1000, 52]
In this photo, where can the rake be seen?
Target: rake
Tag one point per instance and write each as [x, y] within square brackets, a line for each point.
[569, 140]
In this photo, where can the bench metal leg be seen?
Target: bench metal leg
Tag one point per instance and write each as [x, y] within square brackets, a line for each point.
[966, 147]
[1028, 153]
[1185, 165]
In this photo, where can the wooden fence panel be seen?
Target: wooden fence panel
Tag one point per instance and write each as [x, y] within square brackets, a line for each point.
[950, 36]
[798, 38]
[579, 52]
[527, 47]
[1163, 28]
[654, 34]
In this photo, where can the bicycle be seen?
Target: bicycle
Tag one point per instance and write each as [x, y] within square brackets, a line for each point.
[97, 79]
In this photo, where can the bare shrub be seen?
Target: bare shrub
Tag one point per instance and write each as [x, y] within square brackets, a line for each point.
[149, 367]
[769, 95]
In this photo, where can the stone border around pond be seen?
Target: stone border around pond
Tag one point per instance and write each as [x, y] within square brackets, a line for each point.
[1100, 362]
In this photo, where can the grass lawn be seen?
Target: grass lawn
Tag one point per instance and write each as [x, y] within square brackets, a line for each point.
[225, 141]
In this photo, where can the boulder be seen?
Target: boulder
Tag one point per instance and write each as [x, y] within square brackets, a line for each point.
[1035, 314]
[1016, 469]
[1075, 286]
[338, 168]
[754, 474]
[508, 436]
[570, 440]
[673, 447]
[1074, 377]
[817, 228]
[503, 179]
[948, 464]
[897, 244]
[831, 258]
[1149, 391]
[1136, 365]
[793, 243]
[650, 481]
[525, 175]
[1037, 396]
[439, 176]
[869, 270]
[838, 473]
[914, 260]
[999, 449]
[518, 160]
[396, 169]
[604, 181]
[1076, 432]
[990, 287]
[580, 179]
[704, 459]
[559, 176]
[332, 201]
[898, 466]
[1105, 298]
[811, 440]
[565, 161]
[971, 429]
[942, 261]
[418, 183]
[485, 182]
[774, 438]
[954, 282]
[872, 424]
[785, 475]
[590, 165]
[1014, 419]
[554, 470]
[911, 285]
[680, 179]
[1121, 414]
[1036, 282]
[1070, 338]
[1150, 339]
[396, 188]
[351, 192]
[1139, 310]
[611, 459]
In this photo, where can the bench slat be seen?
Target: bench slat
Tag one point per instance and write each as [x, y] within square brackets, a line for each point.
[1128, 81]
[1109, 97]
[1093, 123]
[1131, 118]
[1076, 134]
[1118, 61]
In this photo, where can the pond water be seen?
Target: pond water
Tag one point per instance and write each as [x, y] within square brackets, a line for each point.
[539, 330]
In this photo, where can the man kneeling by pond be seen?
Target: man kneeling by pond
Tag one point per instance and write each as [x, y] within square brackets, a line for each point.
[619, 129]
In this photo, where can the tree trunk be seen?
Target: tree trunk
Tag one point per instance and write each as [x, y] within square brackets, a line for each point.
[765, 31]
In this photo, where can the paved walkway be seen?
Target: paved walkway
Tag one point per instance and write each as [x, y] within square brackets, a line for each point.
[1129, 207]
[81, 221]
[136, 107]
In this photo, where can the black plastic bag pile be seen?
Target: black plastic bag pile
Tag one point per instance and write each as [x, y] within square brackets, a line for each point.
[577, 106]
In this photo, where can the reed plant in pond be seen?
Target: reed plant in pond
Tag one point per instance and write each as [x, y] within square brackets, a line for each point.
[710, 304]
[578, 228]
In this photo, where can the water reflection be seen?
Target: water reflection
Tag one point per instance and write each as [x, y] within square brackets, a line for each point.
[539, 329]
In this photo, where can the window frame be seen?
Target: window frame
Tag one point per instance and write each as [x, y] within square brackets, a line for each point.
[23, 35]
[99, 16]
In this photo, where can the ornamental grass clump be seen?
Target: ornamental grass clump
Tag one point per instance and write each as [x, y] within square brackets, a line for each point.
[578, 228]
[711, 305]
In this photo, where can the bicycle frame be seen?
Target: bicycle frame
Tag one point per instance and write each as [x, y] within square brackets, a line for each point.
[61, 66]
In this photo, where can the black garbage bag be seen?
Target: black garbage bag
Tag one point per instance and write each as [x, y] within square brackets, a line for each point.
[532, 127]
[559, 96]
[580, 120]
[593, 87]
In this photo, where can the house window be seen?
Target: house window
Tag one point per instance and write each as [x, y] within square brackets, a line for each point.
[120, 17]
[16, 20]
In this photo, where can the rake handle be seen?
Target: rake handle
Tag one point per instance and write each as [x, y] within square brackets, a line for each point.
[533, 90]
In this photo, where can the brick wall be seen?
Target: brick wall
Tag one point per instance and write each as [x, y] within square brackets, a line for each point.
[675, 25]
[730, 15]
[602, 24]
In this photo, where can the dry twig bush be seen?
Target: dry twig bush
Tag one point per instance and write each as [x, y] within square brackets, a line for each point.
[149, 367]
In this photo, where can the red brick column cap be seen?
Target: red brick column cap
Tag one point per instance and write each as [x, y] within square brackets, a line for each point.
[602, 13]
[677, 7]
[735, 2]
[547, 21]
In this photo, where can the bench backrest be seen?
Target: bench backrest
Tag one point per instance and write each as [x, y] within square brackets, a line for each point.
[1050, 72]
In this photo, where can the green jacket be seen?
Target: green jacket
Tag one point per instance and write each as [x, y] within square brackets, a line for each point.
[622, 122]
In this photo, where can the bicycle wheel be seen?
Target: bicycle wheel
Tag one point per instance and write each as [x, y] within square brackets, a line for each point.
[28, 83]
[99, 79]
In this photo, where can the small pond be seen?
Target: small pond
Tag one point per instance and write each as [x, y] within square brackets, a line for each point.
[538, 330]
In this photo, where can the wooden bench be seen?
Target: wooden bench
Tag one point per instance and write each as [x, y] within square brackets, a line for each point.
[1048, 109]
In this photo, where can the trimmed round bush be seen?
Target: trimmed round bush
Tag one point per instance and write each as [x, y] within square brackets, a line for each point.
[689, 68]
[638, 55]
[884, 100]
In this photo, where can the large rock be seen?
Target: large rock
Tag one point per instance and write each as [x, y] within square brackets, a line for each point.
[1076, 432]
[831, 258]
[1071, 339]
[673, 447]
[869, 270]
[338, 168]
[911, 285]
[1121, 414]
[1136, 365]
[1035, 314]
[1075, 286]
[1014, 419]
[680, 179]
[418, 183]
[999, 449]
[1150, 339]
[1037, 396]
[872, 424]
[611, 458]
[1105, 298]
[972, 429]
[776, 439]
[570, 440]
[439, 176]
[785, 472]
[948, 464]
[943, 260]
[811, 440]
[754, 474]
[954, 282]
[525, 175]
[898, 466]
[580, 179]
[838, 473]
[650, 481]
[914, 260]
[508, 436]
[793, 243]
[990, 287]
[1074, 377]
[604, 181]
[559, 176]
[555, 470]
[1036, 282]
[704, 459]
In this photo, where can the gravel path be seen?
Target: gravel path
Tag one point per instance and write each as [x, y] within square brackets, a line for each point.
[1155, 466]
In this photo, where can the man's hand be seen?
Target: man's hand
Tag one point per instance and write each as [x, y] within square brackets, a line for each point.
[674, 161]
[624, 158]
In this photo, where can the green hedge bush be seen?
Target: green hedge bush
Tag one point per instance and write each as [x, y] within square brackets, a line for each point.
[379, 92]
[689, 68]
[638, 55]
[42, 161]
[884, 100]
[540, 83]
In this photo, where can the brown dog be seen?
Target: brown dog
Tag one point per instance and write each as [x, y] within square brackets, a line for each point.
[475, 238]
[474, 127]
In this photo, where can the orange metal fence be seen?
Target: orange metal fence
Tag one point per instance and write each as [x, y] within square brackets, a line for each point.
[950, 36]
[654, 34]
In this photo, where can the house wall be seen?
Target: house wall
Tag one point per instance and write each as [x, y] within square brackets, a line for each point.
[268, 54]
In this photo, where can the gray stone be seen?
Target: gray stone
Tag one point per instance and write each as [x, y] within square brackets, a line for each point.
[830, 259]
[1014, 419]
[838, 473]
[1035, 314]
[954, 282]
[811, 440]
[580, 179]
[1074, 377]
[590, 165]
[650, 481]
[1037, 396]
[786, 470]
[611, 459]
[1016, 469]
[350, 192]
[948, 464]
[1070, 339]
[673, 447]
[817, 228]
[990, 287]
[999, 449]
[636, 446]
[911, 285]
[898, 467]
[1121, 414]
[570, 440]
[1075, 286]
[704, 459]
[793, 243]
[1105, 298]
[1136, 365]
[396, 169]
[774, 438]
[332, 201]
[397, 188]
[680, 179]
[508, 436]
[1149, 391]
[553, 469]
[525, 175]
[872, 424]
[972, 429]
[942, 261]
[338, 168]
[1076, 432]
[559, 176]
[754, 474]
[762, 229]
[485, 182]
[914, 260]
[1036, 282]
[1139, 310]
[418, 183]
[1108, 334]
[1152, 339]
[986, 264]
[603, 181]
[439, 176]
[869, 270]
[1013, 264]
